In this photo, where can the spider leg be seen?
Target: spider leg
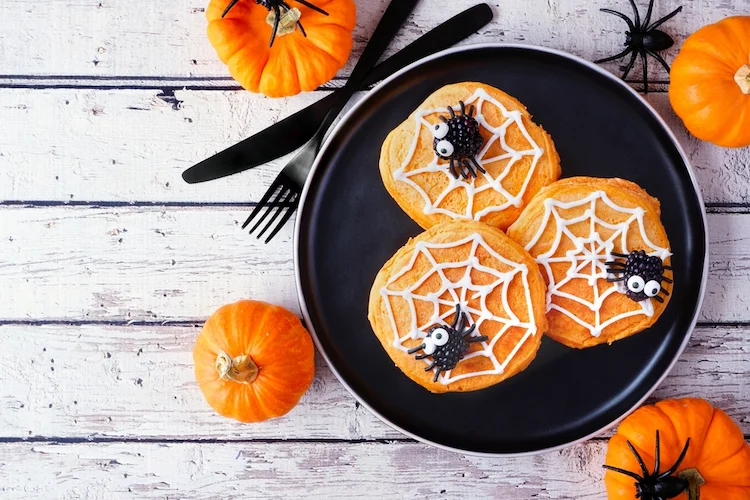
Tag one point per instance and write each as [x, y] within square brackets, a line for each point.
[463, 107]
[483, 338]
[445, 120]
[461, 169]
[629, 66]
[277, 10]
[623, 471]
[615, 280]
[665, 18]
[672, 469]
[621, 16]
[229, 7]
[657, 457]
[616, 56]
[452, 169]
[469, 168]
[457, 320]
[437, 376]
[659, 58]
[638, 457]
[471, 110]
[668, 268]
[469, 331]
[415, 349]
[615, 263]
[422, 356]
[664, 278]
[453, 113]
[664, 291]
[433, 365]
[616, 271]
[645, 70]
[477, 165]
[637, 17]
[658, 299]
[313, 7]
[621, 255]
[648, 15]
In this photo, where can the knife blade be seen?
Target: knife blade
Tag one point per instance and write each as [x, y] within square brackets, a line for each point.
[293, 131]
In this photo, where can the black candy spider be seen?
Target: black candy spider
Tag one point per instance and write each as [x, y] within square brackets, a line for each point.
[276, 6]
[642, 274]
[644, 39]
[447, 345]
[458, 139]
[655, 485]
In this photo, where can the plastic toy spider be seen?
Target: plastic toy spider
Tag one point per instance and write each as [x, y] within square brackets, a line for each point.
[644, 39]
[447, 345]
[656, 486]
[277, 5]
[458, 139]
[641, 273]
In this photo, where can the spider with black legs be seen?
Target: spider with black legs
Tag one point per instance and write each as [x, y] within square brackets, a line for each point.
[641, 273]
[643, 39]
[655, 485]
[276, 6]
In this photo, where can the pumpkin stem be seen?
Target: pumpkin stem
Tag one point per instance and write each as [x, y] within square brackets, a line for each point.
[695, 480]
[742, 77]
[288, 21]
[241, 369]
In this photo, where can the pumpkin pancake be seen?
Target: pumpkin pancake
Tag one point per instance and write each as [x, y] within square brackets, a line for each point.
[604, 254]
[470, 152]
[459, 308]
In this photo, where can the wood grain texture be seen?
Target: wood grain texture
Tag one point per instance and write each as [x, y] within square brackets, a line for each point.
[96, 38]
[180, 263]
[136, 382]
[132, 145]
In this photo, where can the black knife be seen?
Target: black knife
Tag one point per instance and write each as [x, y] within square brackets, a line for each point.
[293, 131]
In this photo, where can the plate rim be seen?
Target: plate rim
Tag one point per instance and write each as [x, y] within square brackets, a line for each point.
[343, 122]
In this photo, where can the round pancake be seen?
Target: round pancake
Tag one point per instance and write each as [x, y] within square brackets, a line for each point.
[494, 281]
[518, 155]
[573, 250]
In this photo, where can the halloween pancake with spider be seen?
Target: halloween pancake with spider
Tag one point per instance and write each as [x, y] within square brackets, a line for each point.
[604, 254]
[469, 152]
[459, 308]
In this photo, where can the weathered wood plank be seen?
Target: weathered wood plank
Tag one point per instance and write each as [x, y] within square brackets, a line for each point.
[180, 263]
[104, 38]
[135, 382]
[292, 470]
[132, 145]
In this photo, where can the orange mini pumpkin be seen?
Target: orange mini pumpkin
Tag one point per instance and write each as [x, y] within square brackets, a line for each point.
[712, 457]
[253, 361]
[710, 82]
[295, 62]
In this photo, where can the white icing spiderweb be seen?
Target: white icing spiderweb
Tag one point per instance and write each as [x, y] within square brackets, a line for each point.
[463, 291]
[588, 256]
[484, 181]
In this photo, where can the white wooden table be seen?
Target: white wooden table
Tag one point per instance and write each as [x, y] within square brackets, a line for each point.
[109, 264]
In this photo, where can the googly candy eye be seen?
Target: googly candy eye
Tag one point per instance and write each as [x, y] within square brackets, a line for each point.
[652, 288]
[429, 346]
[440, 130]
[439, 336]
[636, 284]
[444, 148]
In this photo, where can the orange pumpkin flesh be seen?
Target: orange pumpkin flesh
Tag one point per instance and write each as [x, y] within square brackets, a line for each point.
[295, 63]
[253, 361]
[718, 453]
[710, 82]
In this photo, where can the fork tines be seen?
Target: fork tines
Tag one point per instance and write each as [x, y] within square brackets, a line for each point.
[282, 195]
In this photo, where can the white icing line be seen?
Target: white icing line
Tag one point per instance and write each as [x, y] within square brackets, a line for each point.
[590, 251]
[479, 97]
[463, 286]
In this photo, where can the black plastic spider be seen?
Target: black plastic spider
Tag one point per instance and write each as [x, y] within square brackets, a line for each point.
[644, 39]
[458, 139]
[642, 273]
[656, 486]
[277, 5]
[447, 345]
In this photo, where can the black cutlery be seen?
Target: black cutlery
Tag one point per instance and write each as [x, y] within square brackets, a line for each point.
[291, 132]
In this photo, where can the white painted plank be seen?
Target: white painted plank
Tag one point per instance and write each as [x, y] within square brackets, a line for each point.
[292, 470]
[104, 38]
[180, 264]
[136, 382]
[132, 145]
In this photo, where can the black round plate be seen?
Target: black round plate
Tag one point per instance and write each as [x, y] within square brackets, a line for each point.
[348, 227]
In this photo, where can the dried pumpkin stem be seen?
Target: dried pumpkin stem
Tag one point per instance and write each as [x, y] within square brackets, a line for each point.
[742, 77]
[288, 21]
[695, 480]
[241, 369]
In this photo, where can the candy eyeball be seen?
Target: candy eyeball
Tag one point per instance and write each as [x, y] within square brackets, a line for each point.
[429, 346]
[652, 288]
[440, 130]
[439, 336]
[636, 284]
[444, 148]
